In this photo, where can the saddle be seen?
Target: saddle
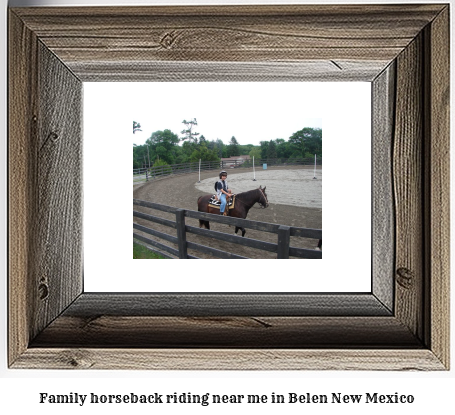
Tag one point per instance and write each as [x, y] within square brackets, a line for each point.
[215, 203]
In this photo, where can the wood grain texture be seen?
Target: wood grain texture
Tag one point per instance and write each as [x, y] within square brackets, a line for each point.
[408, 187]
[157, 71]
[53, 49]
[229, 359]
[58, 207]
[327, 36]
[22, 171]
[258, 332]
[45, 187]
[90, 305]
[383, 215]
[438, 198]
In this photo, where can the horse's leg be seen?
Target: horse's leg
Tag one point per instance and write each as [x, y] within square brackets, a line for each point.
[201, 209]
[204, 223]
[242, 229]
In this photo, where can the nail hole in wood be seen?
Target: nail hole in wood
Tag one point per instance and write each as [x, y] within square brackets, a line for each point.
[405, 278]
[43, 291]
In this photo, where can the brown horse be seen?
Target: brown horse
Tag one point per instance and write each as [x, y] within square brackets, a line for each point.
[243, 203]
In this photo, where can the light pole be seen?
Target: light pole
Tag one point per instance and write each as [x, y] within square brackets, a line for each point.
[314, 176]
[148, 154]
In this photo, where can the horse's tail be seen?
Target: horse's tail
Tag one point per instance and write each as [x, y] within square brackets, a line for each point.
[199, 203]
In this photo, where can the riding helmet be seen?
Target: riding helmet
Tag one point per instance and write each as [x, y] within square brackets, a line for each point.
[222, 172]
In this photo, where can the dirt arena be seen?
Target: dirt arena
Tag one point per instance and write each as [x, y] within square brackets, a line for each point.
[295, 199]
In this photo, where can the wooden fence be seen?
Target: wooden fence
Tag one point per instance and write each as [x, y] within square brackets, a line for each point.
[170, 169]
[145, 174]
[283, 233]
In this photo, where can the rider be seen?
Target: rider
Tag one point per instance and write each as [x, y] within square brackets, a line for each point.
[223, 192]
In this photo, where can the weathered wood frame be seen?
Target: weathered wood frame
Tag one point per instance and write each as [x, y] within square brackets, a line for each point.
[403, 50]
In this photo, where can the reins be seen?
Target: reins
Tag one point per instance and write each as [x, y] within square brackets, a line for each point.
[240, 200]
[261, 194]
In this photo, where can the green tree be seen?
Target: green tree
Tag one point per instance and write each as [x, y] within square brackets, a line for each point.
[233, 147]
[245, 149]
[163, 146]
[264, 148]
[136, 127]
[256, 153]
[187, 149]
[283, 148]
[201, 152]
[180, 155]
[140, 156]
[308, 141]
[271, 150]
[220, 147]
[188, 133]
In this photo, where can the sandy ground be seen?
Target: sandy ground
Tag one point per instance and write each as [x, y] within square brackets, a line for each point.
[284, 187]
[295, 199]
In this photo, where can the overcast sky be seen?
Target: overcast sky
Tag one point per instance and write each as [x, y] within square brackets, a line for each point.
[250, 111]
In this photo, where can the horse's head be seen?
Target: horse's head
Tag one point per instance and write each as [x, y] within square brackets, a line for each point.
[263, 197]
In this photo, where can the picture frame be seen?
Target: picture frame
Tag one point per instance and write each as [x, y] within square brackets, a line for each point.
[402, 324]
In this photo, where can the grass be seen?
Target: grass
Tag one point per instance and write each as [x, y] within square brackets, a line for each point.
[141, 252]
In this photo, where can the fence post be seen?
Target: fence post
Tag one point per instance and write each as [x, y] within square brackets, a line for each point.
[146, 176]
[181, 233]
[284, 236]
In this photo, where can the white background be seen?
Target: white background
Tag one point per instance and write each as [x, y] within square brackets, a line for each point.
[345, 109]
[19, 390]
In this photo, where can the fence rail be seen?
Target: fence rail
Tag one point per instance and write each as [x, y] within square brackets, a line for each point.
[145, 174]
[281, 247]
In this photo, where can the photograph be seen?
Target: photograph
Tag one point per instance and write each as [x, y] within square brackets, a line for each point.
[251, 153]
